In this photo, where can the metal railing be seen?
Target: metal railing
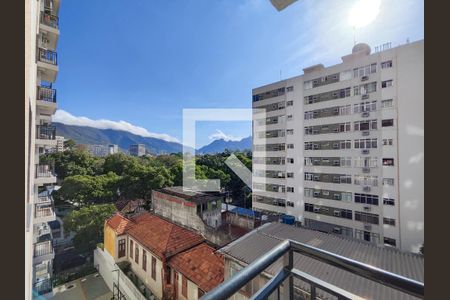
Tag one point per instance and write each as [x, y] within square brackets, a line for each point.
[43, 211]
[43, 248]
[43, 286]
[45, 132]
[44, 171]
[46, 94]
[286, 250]
[49, 20]
[47, 56]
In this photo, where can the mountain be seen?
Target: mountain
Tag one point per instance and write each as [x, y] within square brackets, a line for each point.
[220, 145]
[95, 136]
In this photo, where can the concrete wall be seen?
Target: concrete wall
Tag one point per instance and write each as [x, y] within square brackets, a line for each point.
[410, 95]
[192, 288]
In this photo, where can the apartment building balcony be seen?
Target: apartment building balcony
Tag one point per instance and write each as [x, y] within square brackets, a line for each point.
[48, 29]
[282, 283]
[44, 213]
[44, 174]
[43, 251]
[41, 232]
[46, 135]
[42, 287]
[46, 100]
[47, 62]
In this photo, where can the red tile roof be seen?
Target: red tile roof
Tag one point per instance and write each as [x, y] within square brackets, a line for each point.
[160, 236]
[201, 264]
[118, 223]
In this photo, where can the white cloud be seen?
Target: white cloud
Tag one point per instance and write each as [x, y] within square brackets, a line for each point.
[69, 119]
[220, 135]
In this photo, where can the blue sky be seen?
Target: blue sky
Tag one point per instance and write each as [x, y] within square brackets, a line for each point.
[143, 61]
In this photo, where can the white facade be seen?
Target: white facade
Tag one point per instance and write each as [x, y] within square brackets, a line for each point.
[59, 143]
[112, 149]
[348, 153]
[137, 149]
[41, 36]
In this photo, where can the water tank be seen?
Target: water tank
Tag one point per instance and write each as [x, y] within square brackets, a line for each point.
[287, 219]
[361, 48]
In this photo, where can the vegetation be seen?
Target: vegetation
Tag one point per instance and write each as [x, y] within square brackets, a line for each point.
[91, 185]
[87, 224]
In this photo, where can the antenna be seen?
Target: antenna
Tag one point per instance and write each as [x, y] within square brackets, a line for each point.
[280, 74]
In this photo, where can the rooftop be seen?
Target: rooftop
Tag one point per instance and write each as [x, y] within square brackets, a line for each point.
[259, 241]
[189, 195]
[158, 235]
[201, 264]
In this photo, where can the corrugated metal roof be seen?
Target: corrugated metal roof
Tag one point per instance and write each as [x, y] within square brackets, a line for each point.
[259, 241]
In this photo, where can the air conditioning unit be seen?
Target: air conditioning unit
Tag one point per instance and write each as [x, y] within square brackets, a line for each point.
[316, 194]
[337, 213]
[365, 96]
[365, 114]
[367, 227]
[366, 188]
[336, 163]
[316, 209]
[337, 230]
[365, 151]
[367, 208]
[366, 170]
[365, 133]
[335, 146]
[364, 78]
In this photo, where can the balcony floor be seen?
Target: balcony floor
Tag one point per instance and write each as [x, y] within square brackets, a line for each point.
[93, 288]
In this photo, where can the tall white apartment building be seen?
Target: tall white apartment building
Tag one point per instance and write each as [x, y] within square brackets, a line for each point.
[59, 143]
[341, 148]
[41, 68]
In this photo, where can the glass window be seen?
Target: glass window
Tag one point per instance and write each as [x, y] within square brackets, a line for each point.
[386, 83]
[387, 123]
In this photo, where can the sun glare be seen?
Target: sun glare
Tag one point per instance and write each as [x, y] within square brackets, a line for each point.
[363, 12]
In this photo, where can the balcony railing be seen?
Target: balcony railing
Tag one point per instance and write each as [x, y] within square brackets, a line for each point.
[45, 132]
[47, 56]
[46, 94]
[41, 211]
[44, 171]
[286, 250]
[43, 248]
[49, 20]
[42, 287]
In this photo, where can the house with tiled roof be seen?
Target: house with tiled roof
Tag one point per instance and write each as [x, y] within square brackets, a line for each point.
[196, 271]
[160, 256]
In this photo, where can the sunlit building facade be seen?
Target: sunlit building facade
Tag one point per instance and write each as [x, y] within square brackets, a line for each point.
[341, 148]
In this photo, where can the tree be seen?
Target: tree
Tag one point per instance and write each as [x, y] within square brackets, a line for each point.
[87, 224]
[85, 189]
[69, 144]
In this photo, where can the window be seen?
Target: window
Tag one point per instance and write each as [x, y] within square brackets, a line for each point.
[289, 131]
[144, 260]
[308, 85]
[366, 217]
[387, 123]
[387, 103]
[389, 221]
[153, 268]
[290, 189]
[366, 199]
[290, 89]
[131, 248]
[290, 160]
[136, 254]
[345, 179]
[290, 175]
[345, 110]
[346, 162]
[346, 196]
[309, 176]
[386, 83]
[184, 286]
[388, 161]
[289, 117]
[366, 143]
[290, 203]
[365, 125]
[122, 248]
[388, 181]
[366, 180]
[387, 142]
[290, 146]
[386, 64]
[365, 107]
[389, 241]
[289, 103]
[388, 201]
[366, 162]
[364, 71]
